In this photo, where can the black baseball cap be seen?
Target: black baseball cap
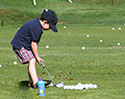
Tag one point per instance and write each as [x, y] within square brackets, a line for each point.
[51, 17]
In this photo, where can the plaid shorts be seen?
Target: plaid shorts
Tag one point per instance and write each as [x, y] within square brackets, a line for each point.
[23, 55]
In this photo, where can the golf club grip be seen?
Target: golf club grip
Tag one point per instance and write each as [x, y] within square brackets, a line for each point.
[43, 64]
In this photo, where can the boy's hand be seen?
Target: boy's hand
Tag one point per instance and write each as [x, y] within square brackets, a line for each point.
[39, 60]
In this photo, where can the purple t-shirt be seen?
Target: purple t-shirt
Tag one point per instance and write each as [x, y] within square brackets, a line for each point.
[30, 31]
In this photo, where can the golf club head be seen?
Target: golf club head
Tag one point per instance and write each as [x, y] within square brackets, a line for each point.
[57, 85]
[52, 84]
[60, 84]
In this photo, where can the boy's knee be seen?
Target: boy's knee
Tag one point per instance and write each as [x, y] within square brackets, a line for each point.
[31, 64]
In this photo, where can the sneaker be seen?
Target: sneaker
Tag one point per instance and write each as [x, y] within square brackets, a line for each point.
[35, 85]
[47, 83]
[30, 85]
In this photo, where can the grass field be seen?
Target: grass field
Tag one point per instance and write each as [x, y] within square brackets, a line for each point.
[100, 63]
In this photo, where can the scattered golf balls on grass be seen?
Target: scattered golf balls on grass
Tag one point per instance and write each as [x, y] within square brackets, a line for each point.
[0, 65]
[80, 86]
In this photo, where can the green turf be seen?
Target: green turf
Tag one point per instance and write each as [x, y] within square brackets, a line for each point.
[76, 13]
[100, 63]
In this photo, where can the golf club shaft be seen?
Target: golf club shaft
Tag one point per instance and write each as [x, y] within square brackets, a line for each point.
[48, 73]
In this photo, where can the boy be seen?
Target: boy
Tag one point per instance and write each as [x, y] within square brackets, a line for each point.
[25, 42]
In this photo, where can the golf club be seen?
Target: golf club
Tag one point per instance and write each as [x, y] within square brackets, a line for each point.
[56, 85]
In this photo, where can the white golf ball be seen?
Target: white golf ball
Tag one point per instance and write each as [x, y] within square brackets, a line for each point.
[87, 35]
[64, 27]
[51, 85]
[124, 24]
[79, 84]
[118, 43]
[94, 86]
[47, 46]
[76, 87]
[83, 85]
[83, 48]
[68, 87]
[90, 85]
[65, 87]
[119, 28]
[14, 62]
[80, 88]
[86, 87]
[73, 87]
[0, 65]
[113, 28]
[86, 84]
[101, 41]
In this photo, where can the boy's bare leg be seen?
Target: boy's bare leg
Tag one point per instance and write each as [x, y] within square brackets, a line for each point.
[30, 79]
[32, 71]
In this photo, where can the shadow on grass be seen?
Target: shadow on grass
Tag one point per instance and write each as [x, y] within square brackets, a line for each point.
[24, 84]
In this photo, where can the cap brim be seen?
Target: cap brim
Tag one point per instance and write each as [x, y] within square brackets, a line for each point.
[53, 27]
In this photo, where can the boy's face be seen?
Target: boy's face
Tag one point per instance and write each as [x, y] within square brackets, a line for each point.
[45, 25]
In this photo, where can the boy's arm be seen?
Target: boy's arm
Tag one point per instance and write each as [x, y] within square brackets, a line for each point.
[35, 51]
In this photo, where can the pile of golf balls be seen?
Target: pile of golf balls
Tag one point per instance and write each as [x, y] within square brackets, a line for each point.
[80, 86]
